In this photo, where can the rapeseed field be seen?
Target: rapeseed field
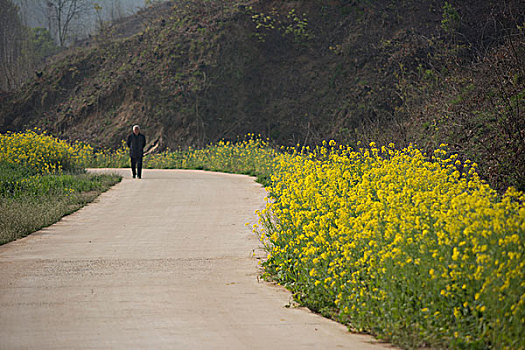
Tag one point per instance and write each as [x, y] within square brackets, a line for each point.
[413, 248]
[42, 152]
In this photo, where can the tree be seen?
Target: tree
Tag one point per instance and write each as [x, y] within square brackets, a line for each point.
[11, 36]
[22, 49]
[63, 14]
[40, 45]
[98, 10]
[115, 10]
[107, 11]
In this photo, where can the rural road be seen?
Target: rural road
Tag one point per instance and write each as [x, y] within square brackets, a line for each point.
[165, 262]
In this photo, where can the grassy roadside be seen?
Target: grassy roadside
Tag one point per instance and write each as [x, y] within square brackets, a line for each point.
[41, 180]
[29, 201]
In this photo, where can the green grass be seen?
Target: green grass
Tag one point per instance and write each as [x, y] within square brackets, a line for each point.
[30, 201]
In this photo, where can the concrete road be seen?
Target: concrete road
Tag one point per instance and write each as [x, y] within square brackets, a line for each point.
[165, 262]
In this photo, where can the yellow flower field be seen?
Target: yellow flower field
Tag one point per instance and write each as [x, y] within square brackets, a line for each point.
[413, 248]
[42, 152]
[393, 243]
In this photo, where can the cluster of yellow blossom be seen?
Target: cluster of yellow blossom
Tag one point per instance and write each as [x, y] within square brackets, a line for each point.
[42, 152]
[399, 244]
[249, 156]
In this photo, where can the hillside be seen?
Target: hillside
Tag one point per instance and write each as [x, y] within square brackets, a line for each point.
[428, 72]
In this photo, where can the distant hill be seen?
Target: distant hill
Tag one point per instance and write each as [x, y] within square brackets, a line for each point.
[422, 71]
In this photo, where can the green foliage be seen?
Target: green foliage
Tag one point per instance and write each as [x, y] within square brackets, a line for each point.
[42, 43]
[289, 25]
[451, 20]
[17, 181]
[297, 27]
[263, 23]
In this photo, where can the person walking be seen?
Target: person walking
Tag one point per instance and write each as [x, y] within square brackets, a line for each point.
[136, 142]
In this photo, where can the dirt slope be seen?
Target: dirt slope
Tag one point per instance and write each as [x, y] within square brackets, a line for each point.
[294, 71]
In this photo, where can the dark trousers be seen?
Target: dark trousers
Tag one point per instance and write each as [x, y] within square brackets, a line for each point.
[136, 166]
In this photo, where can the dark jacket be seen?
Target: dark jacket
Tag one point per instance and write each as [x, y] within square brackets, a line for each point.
[136, 145]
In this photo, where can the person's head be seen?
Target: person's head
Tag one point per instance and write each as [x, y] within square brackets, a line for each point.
[136, 129]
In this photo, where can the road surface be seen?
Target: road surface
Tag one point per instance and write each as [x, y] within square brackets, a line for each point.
[165, 262]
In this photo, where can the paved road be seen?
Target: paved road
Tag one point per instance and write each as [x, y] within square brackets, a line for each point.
[165, 262]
